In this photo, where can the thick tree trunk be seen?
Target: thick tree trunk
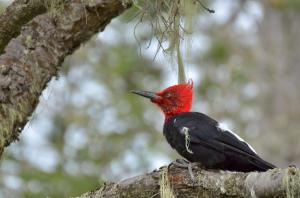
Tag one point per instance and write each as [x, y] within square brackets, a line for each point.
[32, 59]
[177, 183]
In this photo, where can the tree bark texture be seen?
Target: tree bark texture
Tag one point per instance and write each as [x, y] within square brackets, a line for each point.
[176, 182]
[16, 15]
[31, 59]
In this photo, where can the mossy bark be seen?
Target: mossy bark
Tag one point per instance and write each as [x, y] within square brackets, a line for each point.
[32, 58]
[15, 16]
[273, 183]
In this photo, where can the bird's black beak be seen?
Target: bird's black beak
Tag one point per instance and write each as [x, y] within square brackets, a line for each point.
[146, 94]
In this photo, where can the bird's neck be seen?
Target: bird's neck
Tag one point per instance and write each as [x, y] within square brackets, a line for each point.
[169, 115]
[176, 108]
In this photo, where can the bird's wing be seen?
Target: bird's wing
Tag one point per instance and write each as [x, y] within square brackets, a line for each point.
[203, 129]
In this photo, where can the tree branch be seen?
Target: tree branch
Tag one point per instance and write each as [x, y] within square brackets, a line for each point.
[176, 183]
[32, 59]
[15, 15]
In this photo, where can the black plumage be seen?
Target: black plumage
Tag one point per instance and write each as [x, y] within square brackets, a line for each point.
[199, 138]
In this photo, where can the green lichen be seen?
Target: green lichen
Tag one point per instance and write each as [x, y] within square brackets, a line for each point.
[53, 6]
[8, 116]
[12, 117]
[128, 2]
[291, 183]
[28, 40]
[165, 189]
[226, 185]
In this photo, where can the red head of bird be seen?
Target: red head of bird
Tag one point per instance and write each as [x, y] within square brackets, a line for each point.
[172, 100]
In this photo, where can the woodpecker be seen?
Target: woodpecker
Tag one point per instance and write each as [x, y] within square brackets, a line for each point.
[199, 138]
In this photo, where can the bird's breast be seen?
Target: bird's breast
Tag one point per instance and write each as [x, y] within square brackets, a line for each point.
[178, 139]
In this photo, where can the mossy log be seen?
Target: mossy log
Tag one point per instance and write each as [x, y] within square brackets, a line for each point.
[176, 182]
[31, 59]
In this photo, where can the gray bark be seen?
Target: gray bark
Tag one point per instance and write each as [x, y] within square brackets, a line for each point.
[31, 59]
[16, 15]
[177, 183]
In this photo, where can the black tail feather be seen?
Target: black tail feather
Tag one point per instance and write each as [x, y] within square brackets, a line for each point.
[262, 165]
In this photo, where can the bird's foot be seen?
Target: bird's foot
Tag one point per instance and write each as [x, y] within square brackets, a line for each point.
[182, 163]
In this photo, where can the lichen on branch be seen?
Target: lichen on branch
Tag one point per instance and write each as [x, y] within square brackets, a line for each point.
[173, 181]
[21, 12]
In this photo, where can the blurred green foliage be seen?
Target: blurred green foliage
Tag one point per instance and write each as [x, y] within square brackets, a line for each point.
[64, 184]
[285, 4]
[218, 53]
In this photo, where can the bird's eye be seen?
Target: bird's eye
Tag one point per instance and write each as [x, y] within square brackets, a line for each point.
[168, 95]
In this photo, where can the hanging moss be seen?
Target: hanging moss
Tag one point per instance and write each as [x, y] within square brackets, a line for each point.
[170, 21]
[187, 139]
[165, 189]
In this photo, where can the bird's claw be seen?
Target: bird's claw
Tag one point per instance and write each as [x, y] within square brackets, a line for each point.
[182, 163]
[190, 169]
